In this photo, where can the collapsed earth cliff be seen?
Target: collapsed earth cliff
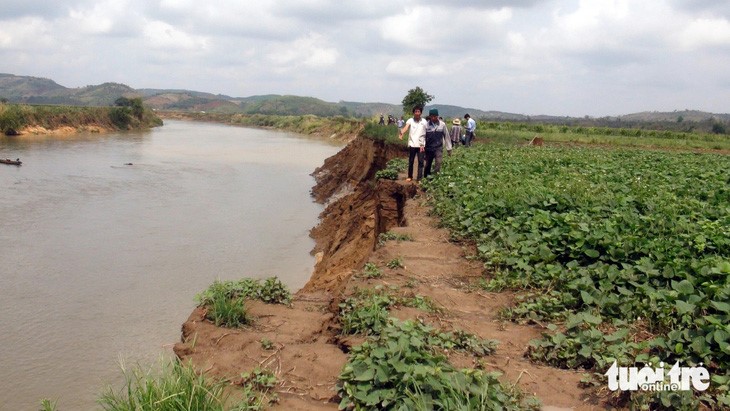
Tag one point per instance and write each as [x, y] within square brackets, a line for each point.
[308, 351]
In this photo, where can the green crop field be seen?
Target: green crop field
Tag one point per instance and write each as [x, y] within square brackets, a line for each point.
[623, 255]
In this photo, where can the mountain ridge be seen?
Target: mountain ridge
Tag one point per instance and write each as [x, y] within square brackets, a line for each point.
[37, 90]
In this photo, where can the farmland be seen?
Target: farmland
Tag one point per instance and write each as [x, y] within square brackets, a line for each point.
[621, 254]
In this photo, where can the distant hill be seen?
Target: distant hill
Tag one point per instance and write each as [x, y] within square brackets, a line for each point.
[678, 116]
[34, 90]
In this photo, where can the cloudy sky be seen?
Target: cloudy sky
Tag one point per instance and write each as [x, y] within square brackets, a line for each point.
[559, 57]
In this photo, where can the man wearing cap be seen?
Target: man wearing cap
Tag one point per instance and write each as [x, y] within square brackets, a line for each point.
[437, 136]
[416, 141]
[471, 127]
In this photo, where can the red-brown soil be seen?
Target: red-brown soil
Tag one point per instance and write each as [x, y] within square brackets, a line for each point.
[308, 352]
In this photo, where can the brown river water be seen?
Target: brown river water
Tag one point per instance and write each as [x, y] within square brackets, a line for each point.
[100, 261]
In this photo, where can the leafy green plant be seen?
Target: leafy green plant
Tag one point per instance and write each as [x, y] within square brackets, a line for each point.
[627, 251]
[273, 291]
[386, 174]
[395, 263]
[367, 311]
[371, 271]
[392, 168]
[225, 300]
[266, 344]
[258, 386]
[402, 368]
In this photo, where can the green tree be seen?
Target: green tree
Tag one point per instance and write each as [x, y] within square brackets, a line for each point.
[137, 107]
[122, 102]
[718, 128]
[416, 97]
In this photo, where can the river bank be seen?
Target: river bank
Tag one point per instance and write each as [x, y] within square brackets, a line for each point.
[23, 119]
[309, 351]
[340, 129]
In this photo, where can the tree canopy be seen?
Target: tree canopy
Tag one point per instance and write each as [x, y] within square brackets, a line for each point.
[416, 97]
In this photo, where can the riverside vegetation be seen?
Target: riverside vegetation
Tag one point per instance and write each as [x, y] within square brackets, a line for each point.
[125, 115]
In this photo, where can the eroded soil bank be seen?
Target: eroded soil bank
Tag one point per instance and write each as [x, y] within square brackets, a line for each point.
[308, 351]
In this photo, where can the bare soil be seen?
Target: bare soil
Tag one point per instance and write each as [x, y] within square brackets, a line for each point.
[308, 353]
[64, 130]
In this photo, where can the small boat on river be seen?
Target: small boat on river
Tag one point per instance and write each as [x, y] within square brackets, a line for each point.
[15, 162]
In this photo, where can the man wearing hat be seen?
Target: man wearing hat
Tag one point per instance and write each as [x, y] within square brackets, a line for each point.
[455, 132]
[437, 136]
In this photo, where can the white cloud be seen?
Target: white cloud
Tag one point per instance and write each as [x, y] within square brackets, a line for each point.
[160, 35]
[546, 56]
[703, 33]
[414, 69]
[311, 51]
[28, 34]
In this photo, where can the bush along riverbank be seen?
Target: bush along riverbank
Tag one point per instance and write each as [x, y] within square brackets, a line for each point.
[128, 114]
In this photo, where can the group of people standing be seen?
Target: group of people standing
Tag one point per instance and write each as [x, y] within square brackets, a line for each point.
[427, 138]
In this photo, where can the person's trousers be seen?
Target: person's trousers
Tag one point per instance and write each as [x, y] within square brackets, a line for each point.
[433, 157]
[412, 153]
[469, 138]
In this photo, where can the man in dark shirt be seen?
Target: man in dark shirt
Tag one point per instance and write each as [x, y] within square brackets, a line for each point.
[437, 136]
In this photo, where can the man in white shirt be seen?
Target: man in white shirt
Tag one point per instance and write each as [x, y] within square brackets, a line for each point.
[471, 127]
[416, 141]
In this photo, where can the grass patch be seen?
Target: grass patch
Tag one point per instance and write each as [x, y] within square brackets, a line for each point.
[272, 291]
[383, 133]
[391, 236]
[177, 387]
[225, 300]
[48, 405]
